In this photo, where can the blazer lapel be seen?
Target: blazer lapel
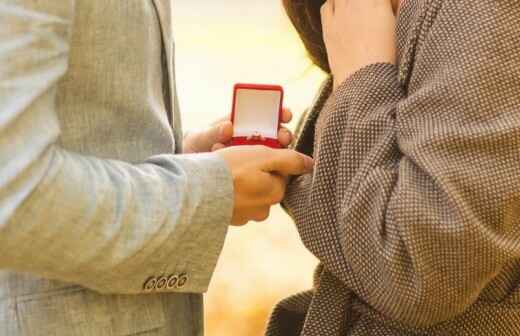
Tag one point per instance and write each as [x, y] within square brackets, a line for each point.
[164, 13]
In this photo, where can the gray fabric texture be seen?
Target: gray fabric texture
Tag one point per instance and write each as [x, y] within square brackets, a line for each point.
[105, 227]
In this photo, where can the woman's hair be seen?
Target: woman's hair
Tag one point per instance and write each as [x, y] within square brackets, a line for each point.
[306, 17]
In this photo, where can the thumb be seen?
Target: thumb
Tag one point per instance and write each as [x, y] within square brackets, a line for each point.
[289, 162]
[218, 133]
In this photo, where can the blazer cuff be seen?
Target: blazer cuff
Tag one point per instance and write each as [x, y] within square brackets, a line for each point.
[206, 228]
[184, 260]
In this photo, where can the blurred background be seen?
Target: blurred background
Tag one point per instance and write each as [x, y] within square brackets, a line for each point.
[220, 43]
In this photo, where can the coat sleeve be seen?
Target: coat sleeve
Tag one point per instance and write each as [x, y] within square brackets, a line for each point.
[106, 225]
[415, 202]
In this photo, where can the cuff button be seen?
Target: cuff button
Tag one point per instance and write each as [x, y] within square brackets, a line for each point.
[172, 281]
[183, 279]
[161, 283]
[149, 285]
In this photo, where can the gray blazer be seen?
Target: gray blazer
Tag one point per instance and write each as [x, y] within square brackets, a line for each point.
[91, 193]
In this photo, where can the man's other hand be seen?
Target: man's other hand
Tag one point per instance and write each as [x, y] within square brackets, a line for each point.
[260, 178]
[220, 132]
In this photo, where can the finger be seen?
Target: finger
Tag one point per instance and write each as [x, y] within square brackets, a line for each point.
[218, 146]
[341, 5]
[220, 121]
[221, 132]
[288, 162]
[261, 214]
[284, 137]
[204, 140]
[239, 221]
[328, 7]
[395, 6]
[269, 189]
[279, 185]
[326, 12]
[286, 115]
[225, 132]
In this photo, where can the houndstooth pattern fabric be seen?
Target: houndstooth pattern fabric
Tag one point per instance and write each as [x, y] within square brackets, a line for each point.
[414, 206]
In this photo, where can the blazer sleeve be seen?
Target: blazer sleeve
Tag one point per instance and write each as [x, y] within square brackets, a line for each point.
[415, 198]
[106, 225]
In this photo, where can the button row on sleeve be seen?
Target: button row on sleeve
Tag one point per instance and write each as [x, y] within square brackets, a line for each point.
[162, 283]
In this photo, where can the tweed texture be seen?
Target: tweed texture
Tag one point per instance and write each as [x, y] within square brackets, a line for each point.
[413, 208]
[94, 204]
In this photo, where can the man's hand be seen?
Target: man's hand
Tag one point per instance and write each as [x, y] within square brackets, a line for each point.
[219, 133]
[358, 33]
[260, 177]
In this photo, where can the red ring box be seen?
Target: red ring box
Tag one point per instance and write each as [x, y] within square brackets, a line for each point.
[256, 114]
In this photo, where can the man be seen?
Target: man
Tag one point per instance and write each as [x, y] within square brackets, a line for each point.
[92, 205]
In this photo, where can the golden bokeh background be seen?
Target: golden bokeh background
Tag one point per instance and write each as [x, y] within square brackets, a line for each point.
[220, 43]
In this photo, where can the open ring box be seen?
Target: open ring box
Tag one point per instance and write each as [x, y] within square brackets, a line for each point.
[256, 114]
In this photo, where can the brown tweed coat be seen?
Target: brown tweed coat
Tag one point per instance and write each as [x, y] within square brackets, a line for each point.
[414, 206]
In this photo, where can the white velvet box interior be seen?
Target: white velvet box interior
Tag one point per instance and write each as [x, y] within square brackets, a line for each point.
[257, 112]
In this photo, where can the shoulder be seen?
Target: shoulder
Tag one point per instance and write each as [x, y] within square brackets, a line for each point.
[479, 36]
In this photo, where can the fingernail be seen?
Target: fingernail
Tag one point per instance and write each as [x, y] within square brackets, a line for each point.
[221, 129]
[226, 130]
[308, 163]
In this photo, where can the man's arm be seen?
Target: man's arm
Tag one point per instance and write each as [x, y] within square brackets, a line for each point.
[106, 225]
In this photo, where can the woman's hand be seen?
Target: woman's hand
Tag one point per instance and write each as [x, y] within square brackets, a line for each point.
[358, 33]
[219, 134]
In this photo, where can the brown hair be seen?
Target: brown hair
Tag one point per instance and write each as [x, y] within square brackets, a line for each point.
[306, 17]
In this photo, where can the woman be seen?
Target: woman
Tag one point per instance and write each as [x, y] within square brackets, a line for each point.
[413, 208]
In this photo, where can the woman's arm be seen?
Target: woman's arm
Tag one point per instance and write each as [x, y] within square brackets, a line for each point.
[414, 203]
